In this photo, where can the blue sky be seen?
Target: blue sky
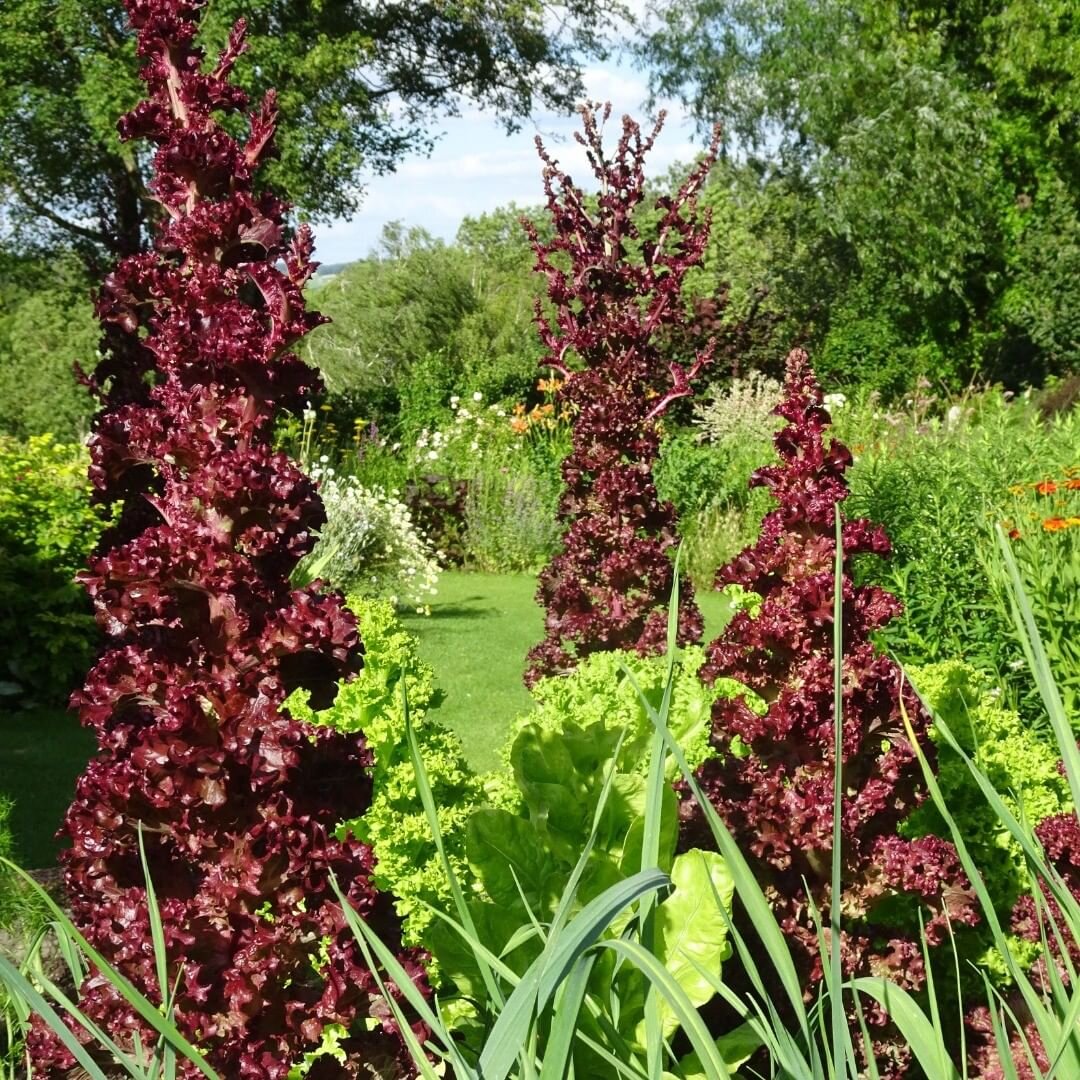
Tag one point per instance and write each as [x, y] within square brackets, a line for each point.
[476, 166]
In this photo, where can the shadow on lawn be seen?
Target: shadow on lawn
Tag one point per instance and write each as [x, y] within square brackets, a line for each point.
[42, 752]
[468, 607]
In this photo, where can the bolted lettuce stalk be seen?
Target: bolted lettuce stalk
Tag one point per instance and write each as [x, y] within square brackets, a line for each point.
[616, 298]
[772, 777]
[205, 637]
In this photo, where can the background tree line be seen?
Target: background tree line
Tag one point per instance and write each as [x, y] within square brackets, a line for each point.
[899, 186]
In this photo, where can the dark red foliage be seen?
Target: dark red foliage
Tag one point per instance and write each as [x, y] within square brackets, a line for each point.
[739, 345]
[205, 636]
[772, 778]
[616, 296]
[984, 1061]
[1060, 839]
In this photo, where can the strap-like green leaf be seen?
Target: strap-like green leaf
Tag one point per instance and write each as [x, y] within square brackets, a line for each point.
[918, 1032]
[547, 971]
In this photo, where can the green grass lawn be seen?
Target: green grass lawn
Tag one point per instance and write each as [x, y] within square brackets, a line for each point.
[476, 637]
[44, 750]
[480, 628]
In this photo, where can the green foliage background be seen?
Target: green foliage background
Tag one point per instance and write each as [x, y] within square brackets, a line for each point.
[47, 325]
[47, 528]
[901, 178]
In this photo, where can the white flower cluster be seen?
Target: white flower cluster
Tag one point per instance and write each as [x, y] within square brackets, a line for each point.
[741, 410]
[468, 432]
[370, 544]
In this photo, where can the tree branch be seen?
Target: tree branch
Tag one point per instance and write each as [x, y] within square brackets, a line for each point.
[49, 214]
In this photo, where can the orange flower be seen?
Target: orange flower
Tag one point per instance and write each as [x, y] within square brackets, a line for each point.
[1046, 487]
[1073, 484]
[1014, 534]
[1055, 524]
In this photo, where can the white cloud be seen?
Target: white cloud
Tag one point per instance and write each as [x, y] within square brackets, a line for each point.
[510, 161]
[624, 89]
[475, 166]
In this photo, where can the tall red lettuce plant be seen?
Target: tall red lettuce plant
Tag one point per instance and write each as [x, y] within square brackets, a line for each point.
[236, 802]
[773, 774]
[615, 298]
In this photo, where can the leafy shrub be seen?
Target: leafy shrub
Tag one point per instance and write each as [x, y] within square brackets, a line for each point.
[514, 485]
[233, 801]
[744, 409]
[425, 393]
[1045, 537]
[1040, 303]
[421, 319]
[608, 587]
[693, 475]
[486, 480]
[47, 528]
[1059, 395]
[437, 505]
[47, 325]
[390, 310]
[406, 862]
[696, 475]
[772, 779]
[704, 473]
[865, 348]
[939, 485]
[370, 545]
[510, 516]
[469, 429]
[714, 535]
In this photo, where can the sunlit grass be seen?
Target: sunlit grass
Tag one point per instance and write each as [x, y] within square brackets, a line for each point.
[480, 628]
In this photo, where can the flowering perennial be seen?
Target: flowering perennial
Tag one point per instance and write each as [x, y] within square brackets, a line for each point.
[371, 545]
[615, 295]
[744, 409]
[235, 801]
[772, 778]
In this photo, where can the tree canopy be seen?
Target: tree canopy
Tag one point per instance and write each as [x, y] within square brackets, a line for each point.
[360, 84]
[912, 169]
